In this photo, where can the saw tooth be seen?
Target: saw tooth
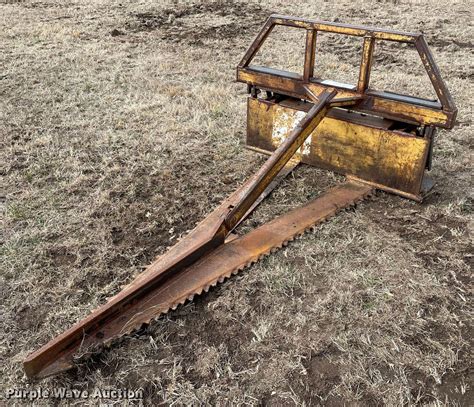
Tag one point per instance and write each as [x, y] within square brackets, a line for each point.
[250, 263]
[220, 279]
[107, 344]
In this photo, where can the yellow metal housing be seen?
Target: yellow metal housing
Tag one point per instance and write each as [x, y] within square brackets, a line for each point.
[346, 142]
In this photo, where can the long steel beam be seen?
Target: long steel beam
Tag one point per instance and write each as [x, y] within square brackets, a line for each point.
[210, 234]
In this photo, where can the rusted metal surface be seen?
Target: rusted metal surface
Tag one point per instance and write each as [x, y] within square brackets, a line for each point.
[217, 265]
[346, 142]
[287, 169]
[383, 139]
[255, 186]
[365, 64]
[389, 152]
[309, 55]
[57, 355]
[207, 236]
[401, 107]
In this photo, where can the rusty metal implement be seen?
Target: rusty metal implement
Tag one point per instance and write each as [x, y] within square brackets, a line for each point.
[379, 140]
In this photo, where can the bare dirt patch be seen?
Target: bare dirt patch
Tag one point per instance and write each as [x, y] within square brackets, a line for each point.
[198, 23]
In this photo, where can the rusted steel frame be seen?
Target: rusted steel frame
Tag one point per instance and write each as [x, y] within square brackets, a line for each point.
[257, 42]
[221, 263]
[309, 55]
[339, 102]
[369, 32]
[287, 169]
[398, 107]
[279, 158]
[435, 76]
[208, 235]
[336, 28]
[414, 197]
[44, 361]
[352, 101]
[390, 158]
[242, 251]
[347, 29]
[365, 64]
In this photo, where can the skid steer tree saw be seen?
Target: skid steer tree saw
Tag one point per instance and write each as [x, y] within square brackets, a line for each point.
[379, 140]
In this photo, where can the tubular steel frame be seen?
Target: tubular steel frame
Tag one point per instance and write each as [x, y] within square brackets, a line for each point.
[401, 107]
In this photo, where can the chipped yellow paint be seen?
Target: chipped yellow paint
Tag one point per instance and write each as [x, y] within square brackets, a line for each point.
[285, 120]
[418, 113]
[258, 118]
[388, 158]
[404, 111]
[378, 155]
[344, 28]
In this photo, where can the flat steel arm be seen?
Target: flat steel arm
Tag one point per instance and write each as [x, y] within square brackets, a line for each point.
[278, 159]
[56, 355]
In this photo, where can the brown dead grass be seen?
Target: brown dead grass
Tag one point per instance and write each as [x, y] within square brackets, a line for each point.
[121, 127]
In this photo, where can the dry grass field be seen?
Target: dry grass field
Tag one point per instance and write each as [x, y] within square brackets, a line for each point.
[121, 126]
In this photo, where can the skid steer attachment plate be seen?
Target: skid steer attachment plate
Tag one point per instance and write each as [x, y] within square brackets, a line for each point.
[379, 140]
[345, 142]
[385, 140]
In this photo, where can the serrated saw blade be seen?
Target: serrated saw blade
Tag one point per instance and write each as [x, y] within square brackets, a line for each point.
[215, 267]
